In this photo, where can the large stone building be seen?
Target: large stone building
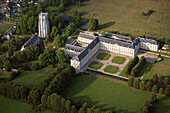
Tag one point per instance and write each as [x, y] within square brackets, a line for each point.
[34, 41]
[86, 45]
[43, 25]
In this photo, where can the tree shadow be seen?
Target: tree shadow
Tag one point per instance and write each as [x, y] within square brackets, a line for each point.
[162, 105]
[106, 25]
[83, 13]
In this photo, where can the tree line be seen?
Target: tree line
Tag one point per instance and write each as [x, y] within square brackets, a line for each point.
[131, 64]
[150, 85]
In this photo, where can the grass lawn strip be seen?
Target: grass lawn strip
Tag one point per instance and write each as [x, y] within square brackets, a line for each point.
[111, 94]
[103, 56]
[118, 60]
[95, 65]
[111, 69]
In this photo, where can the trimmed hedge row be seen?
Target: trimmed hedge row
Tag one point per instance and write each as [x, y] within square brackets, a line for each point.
[148, 86]
[131, 64]
[138, 67]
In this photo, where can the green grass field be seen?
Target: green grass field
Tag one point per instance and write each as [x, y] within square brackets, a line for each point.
[33, 78]
[112, 15]
[111, 69]
[111, 94]
[95, 65]
[12, 106]
[52, 9]
[159, 68]
[103, 56]
[118, 60]
[4, 27]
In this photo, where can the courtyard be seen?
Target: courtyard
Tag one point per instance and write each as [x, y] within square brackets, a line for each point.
[108, 63]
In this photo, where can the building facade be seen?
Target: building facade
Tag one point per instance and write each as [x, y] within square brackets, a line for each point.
[43, 25]
[80, 56]
[34, 41]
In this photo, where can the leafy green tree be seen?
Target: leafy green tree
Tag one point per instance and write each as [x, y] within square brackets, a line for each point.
[39, 9]
[142, 85]
[57, 41]
[166, 80]
[83, 109]
[70, 29]
[61, 57]
[161, 91]
[7, 65]
[160, 79]
[136, 83]
[73, 109]
[68, 106]
[153, 98]
[77, 20]
[54, 32]
[93, 24]
[167, 91]
[130, 82]
[154, 78]
[30, 23]
[155, 89]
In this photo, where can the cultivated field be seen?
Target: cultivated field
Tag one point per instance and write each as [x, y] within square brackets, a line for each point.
[12, 106]
[160, 68]
[4, 27]
[33, 78]
[111, 94]
[126, 16]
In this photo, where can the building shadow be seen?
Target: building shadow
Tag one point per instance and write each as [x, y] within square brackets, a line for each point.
[106, 25]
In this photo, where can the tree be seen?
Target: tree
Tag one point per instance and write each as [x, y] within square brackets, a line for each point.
[75, 12]
[136, 83]
[160, 79]
[130, 82]
[161, 91]
[55, 31]
[77, 20]
[83, 109]
[47, 39]
[155, 89]
[68, 106]
[70, 29]
[73, 109]
[153, 98]
[61, 57]
[154, 78]
[57, 41]
[93, 24]
[30, 23]
[166, 80]
[7, 65]
[142, 85]
[167, 91]
[149, 86]
[39, 9]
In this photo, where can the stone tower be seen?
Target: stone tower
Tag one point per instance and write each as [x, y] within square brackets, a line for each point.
[43, 25]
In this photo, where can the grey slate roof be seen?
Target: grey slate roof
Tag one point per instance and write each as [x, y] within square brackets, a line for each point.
[88, 48]
[120, 43]
[88, 36]
[151, 41]
[119, 36]
[74, 48]
[31, 41]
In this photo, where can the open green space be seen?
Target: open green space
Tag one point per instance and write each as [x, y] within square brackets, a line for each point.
[118, 60]
[111, 94]
[113, 16]
[4, 27]
[33, 78]
[52, 9]
[12, 106]
[159, 68]
[95, 65]
[103, 56]
[111, 69]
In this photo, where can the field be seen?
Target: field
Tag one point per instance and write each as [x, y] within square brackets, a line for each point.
[95, 65]
[4, 27]
[32, 78]
[51, 9]
[111, 69]
[103, 56]
[12, 106]
[118, 60]
[111, 94]
[160, 68]
[113, 16]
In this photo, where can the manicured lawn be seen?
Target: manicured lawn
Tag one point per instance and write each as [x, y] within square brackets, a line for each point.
[52, 9]
[118, 60]
[4, 27]
[143, 69]
[33, 78]
[111, 69]
[109, 93]
[12, 106]
[122, 73]
[159, 68]
[113, 16]
[103, 56]
[95, 65]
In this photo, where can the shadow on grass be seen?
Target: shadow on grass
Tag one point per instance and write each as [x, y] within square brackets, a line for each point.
[83, 13]
[161, 106]
[106, 25]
